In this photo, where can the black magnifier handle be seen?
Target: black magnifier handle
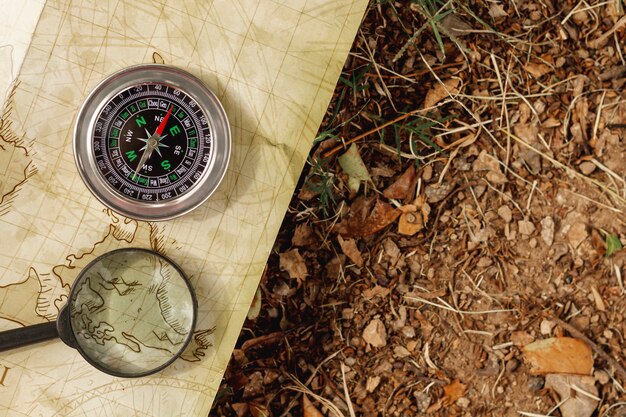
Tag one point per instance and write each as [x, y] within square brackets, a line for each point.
[26, 335]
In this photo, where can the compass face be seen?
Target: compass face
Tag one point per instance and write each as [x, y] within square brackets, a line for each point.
[152, 142]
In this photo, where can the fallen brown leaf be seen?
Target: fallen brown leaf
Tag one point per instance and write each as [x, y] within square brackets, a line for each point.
[404, 186]
[574, 403]
[303, 236]
[364, 220]
[292, 262]
[455, 25]
[410, 223]
[241, 409]
[559, 355]
[370, 293]
[375, 333]
[414, 217]
[308, 409]
[440, 91]
[259, 410]
[451, 393]
[537, 69]
[349, 247]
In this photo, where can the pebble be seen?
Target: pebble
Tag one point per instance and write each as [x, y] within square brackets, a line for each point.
[587, 167]
[463, 402]
[577, 233]
[512, 365]
[525, 227]
[437, 192]
[506, 214]
[547, 230]
[601, 376]
[535, 383]
[547, 326]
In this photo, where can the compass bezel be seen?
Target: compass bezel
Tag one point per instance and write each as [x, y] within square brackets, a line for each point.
[84, 132]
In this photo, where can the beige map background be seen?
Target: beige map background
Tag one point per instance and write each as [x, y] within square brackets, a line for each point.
[274, 65]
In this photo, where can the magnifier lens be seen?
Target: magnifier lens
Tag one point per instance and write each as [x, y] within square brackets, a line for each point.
[131, 312]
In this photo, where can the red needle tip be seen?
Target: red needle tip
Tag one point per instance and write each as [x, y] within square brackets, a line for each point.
[159, 130]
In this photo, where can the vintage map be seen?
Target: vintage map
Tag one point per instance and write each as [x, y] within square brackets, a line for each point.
[274, 65]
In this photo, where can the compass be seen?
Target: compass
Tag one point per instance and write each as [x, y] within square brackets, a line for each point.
[152, 142]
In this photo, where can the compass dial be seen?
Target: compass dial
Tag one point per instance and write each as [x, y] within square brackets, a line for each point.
[152, 142]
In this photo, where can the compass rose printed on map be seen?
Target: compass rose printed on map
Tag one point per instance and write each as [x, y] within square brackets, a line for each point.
[273, 65]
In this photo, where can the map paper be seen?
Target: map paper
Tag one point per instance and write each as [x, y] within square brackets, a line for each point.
[273, 64]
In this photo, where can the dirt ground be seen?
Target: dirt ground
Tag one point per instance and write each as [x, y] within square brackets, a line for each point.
[454, 247]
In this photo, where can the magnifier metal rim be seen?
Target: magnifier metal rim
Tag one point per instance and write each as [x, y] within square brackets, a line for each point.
[84, 130]
[185, 343]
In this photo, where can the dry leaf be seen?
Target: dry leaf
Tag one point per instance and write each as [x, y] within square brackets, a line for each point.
[292, 262]
[410, 223]
[496, 11]
[349, 247]
[575, 403]
[308, 409]
[456, 26]
[537, 69]
[414, 217]
[353, 165]
[303, 236]
[370, 293]
[404, 186]
[440, 91]
[559, 355]
[241, 409]
[259, 410]
[375, 333]
[451, 393]
[364, 220]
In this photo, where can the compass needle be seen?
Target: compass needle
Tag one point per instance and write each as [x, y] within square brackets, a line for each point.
[119, 135]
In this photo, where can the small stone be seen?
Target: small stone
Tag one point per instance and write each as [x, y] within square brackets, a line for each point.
[408, 332]
[601, 376]
[525, 227]
[506, 214]
[547, 230]
[375, 333]
[372, 383]
[587, 167]
[533, 243]
[577, 233]
[500, 390]
[463, 402]
[437, 192]
[512, 365]
[535, 383]
[547, 326]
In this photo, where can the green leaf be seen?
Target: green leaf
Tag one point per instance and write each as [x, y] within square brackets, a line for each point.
[613, 244]
[353, 165]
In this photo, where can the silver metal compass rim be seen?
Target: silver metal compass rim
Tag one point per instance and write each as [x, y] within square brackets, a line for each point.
[205, 185]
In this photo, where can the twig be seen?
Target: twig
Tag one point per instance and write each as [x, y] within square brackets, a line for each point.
[372, 131]
[345, 390]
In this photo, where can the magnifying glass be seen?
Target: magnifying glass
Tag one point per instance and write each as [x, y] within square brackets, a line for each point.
[130, 313]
